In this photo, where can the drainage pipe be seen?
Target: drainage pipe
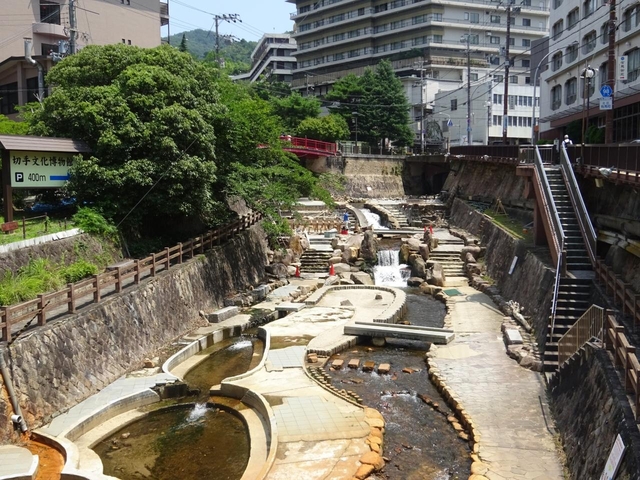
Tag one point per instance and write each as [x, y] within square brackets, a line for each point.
[17, 418]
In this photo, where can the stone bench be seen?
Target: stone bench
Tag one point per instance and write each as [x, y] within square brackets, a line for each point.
[222, 315]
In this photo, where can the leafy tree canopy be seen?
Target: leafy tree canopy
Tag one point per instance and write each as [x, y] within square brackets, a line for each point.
[202, 43]
[330, 128]
[9, 127]
[294, 109]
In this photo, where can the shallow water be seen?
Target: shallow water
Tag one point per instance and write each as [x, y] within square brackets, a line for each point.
[178, 443]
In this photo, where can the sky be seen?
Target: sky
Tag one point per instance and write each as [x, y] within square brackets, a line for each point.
[258, 17]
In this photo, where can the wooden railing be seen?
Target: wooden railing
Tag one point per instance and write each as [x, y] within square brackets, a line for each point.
[624, 357]
[91, 290]
[589, 325]
[621, 292]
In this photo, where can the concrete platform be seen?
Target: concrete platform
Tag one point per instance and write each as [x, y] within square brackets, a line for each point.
[439, 336]
[17, 463]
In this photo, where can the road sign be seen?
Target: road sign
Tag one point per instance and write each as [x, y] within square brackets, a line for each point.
[606, 91]
[622, 67]
[606, 103]
[449, 123]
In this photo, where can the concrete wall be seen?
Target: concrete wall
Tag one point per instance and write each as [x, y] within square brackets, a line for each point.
[56, 366]
[530, 284]
[369, 177]
[590, 410]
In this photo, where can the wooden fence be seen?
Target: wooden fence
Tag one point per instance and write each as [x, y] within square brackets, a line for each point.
[622, 293]
[624, 357]
[91, 290]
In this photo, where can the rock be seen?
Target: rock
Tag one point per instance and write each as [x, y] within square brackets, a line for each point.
[337, 364]
[346, 303]
[291, 270]
[378, 296]
[126, 435]
[298, 244]
[354, 363]
[361, 278]
[429, 289]
[379, 342]
[424, 251]
[312, 358]
[435, 275]
[468, 258]
[283, 256]
[278, 270]
[405, 251]
[334, 260]
[368, 366]
[372, 458]
[530, 362]
[408, 370]
[342, 268]
[473, 269]
[332, 280]
[415, 281]
[413, 244]
[338, 252]
[335, 243]
[418, 267]
[369, 247]
[364, 471]
[384, 368]
[350, 254]
[148, 363]
[472, 249]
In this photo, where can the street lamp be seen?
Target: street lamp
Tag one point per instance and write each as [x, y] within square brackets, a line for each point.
[535, 84]
[587, 74]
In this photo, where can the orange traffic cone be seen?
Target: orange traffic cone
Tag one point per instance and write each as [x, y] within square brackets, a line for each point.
[332, 271]
[298, 271]
[431, 229]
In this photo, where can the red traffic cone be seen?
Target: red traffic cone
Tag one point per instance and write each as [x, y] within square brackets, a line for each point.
[425, 229]
[431, 229]
[332, 271]
[298, 271]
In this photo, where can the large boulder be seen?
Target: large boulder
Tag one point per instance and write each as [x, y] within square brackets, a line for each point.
[350, 254]
[369, 247]
[341, 268]
[405, 252]
[472, 249]
[415, 281]
[332, 280]
[298, 244]
[361, 278]
[418, 267]
[354, 241]
[283, 256]
[277, 270]
[424, 251]
[435, 275]
[334, 260]
[413, 243]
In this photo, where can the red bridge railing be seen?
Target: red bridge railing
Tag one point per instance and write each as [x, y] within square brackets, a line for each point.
[316, 146]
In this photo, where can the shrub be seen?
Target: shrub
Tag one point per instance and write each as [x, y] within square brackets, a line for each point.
[92, 222]
[77, 271]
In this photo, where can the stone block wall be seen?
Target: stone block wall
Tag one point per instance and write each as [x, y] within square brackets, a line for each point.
[56, 366]
[590, 410]
[530, 284]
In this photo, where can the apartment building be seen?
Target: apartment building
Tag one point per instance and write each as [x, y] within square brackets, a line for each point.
[46, 23]
[579, 43]
[487, 109]
[272, 57]
[338, 37]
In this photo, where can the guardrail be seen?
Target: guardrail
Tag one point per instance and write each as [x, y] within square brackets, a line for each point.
[91, 290]
[622, 292]
[309, 144]
[589, 325]
[586, 227]
[624, 357]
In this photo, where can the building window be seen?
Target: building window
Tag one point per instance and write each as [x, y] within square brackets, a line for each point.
[572, 18]
[571, 91]
[589, 42]
[556, 30]
[588, 7]
[128, 42]
[526, 22]
[572, 52]
[556, 97]
[436, 17]
[557, 3]
[512, 42]
[454, 104]
[494, 40]
[526, 42]
[474, 77]
[526, 63]
[495, 18]
[48, 49]
[556, 62]
[633, 64]
[437, 39]
[497, 120]
[497, 98]
[49, 12]
[527, 80]
[8, 98]
[526, 3]
[604, 33]
[474, 18]
[603, 72]
[629, 18]
[498, 78]
[513, 79]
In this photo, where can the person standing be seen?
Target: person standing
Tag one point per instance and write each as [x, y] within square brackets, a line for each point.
[345, 220]
[567, 141]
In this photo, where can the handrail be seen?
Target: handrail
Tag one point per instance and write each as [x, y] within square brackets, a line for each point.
[589, 325]
[91, 290]
[586, 227]
[557, 234]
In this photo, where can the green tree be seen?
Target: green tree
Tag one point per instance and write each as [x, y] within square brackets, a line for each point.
[12, 128]
[345, 96]
[150, 117]
[294, 109]
[183, 44]
[330, 128]
[386, 108]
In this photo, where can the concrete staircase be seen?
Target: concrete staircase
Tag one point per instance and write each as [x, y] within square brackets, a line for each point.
[398, 213]
[316, 258]
[574, 290]
[448, 255]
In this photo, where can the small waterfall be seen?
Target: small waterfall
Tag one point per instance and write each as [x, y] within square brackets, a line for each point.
[198, 412]
[389, 271]
[373, 219]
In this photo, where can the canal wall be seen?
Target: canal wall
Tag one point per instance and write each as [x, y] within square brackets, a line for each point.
[56, 366]
[531, 281]
[590, 409]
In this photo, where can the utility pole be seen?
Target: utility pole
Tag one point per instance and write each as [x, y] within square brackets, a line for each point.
[611, 75]
[469, 139]
[73, 27]
[507, 64]
[231, 18]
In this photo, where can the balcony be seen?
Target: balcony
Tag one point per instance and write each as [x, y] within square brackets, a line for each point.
[164, 13]
[49, 29]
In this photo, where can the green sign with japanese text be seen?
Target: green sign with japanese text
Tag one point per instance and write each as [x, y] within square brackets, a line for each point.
[39, 169]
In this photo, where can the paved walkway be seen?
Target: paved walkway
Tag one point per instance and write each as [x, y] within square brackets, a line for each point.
[506, 402]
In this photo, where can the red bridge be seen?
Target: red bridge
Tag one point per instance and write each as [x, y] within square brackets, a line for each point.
[307, 147]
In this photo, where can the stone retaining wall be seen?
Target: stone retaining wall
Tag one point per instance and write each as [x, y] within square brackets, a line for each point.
[56, 366]
[530, 284]
[590, 410]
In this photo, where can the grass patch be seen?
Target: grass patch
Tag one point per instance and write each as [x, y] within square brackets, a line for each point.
[34, 228]
[513, 227]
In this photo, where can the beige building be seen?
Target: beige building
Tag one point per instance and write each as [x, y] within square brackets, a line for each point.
[47, 24]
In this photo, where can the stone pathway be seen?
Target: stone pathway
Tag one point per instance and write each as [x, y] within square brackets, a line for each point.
[507, 403]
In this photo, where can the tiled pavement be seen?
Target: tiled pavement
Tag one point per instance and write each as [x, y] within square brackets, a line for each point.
[287, 357]
[506, 402]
